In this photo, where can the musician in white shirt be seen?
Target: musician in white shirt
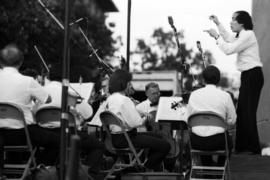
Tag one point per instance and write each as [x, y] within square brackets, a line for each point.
[248, 62]
[90, 145]
[23, 90]
[211, 98]
[148, 107]
[150, 104]
[124, 108]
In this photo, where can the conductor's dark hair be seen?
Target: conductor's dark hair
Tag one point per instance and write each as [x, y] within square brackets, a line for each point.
[211, 75]
[244, 18]
[119, 80]
[11, 56]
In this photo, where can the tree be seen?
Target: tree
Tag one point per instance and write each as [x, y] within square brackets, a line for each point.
[27, 24]
[162, 54]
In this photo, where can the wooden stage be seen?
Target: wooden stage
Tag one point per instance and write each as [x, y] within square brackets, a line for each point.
[250, 167]
[243, 167]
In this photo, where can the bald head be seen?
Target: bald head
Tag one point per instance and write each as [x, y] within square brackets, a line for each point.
[11, 56]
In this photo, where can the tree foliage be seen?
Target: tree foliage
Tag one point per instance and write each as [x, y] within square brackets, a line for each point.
[26, 23]
[162, 53]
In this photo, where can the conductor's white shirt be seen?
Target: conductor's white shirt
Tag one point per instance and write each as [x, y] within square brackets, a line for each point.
[245, 45]
[210, 98]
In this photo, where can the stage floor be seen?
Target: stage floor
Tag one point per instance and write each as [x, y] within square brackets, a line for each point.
[243, 167]
[250, 167]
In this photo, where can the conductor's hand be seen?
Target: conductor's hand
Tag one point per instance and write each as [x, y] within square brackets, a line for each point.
[212, 32]
[214, 18]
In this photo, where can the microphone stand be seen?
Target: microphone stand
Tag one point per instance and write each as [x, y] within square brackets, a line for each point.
[65, 85]
[201, 52]
[183, 70]
[128, 34]
[51, 14]
[184, 66]
[108, 68]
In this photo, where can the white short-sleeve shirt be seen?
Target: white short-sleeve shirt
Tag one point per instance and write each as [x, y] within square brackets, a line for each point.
[21, 90]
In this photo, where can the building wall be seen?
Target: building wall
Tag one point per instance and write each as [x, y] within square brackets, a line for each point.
[261, 18]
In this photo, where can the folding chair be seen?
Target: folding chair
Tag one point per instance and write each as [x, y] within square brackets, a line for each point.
[108, 118]
[52, 115]
[209, 172]
[14, 112]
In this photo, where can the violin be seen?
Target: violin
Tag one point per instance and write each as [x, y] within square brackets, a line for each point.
[181, 103]
[176, 105]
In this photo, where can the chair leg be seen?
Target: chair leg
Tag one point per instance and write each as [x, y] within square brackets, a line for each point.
[134, 159]
[27, 168]
[112, 170]
[85, 172]
[228, 170]
[30, 161]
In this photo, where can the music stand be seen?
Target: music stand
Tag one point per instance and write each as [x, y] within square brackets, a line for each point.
[177, 117]
[84, 90]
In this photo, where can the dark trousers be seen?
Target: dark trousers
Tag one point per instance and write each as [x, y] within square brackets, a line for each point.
[158, 147]
[247, 138]
[91, 147]
[211, 143]
[39, 137]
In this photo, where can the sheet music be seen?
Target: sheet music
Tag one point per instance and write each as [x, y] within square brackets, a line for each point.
[165, 112]
[85, 90]
[96, 120]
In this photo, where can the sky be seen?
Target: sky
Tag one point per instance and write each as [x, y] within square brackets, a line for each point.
[192, 16]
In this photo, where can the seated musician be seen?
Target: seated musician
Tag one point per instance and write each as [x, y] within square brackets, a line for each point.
[149, 106]
[211, 98]
[90, 146]
[124, 108]
[23, 91]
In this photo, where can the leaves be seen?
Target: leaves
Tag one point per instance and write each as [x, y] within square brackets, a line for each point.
[162, 53]
[26, 23]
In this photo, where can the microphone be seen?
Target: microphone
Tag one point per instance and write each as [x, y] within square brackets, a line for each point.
[170, 19]
[211, 17]
[201, 51]
[78, 20]
[199, 46]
